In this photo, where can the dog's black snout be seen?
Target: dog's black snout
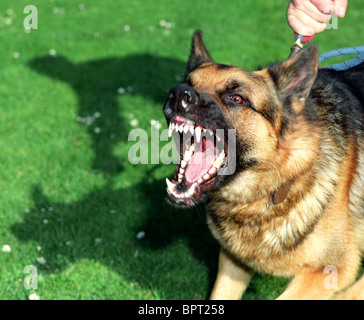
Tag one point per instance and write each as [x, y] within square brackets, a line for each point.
[182, 97]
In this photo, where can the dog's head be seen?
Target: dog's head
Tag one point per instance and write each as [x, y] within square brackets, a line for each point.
[215, 100]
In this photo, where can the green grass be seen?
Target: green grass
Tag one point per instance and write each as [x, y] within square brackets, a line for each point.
[67, 190]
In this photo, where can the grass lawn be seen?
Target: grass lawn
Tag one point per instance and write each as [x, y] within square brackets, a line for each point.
[70, 93]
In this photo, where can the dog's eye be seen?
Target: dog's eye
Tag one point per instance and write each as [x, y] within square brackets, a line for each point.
[237, 99]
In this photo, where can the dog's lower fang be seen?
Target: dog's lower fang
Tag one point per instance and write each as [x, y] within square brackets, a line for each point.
[170, 185]
[189, 193]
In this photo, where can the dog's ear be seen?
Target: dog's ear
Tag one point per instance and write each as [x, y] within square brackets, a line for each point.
[296, 76]
[198, 55]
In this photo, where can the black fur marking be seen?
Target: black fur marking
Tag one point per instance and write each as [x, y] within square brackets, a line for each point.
[223, 67]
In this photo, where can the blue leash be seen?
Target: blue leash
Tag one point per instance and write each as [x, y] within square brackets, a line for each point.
[359, 51]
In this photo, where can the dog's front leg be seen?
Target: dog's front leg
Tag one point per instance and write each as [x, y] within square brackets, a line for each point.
[232, 279]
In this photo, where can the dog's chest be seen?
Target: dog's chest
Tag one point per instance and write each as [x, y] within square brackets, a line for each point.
[264, 241]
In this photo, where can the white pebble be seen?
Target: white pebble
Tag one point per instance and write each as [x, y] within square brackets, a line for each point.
[134, 123]
[121, 90]
[140, 235]
[6, 248]
[41, 260]
[34, 296]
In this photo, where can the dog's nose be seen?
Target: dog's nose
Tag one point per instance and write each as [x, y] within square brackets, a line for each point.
[182, 97]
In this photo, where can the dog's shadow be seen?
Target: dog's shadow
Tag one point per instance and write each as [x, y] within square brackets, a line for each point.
[96, 85]
[102, 226]
[96, 229]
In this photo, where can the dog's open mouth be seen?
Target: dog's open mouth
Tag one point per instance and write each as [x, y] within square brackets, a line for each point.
[202, 154]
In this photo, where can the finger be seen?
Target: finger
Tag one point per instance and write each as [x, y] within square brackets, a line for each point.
[340, 8]
[310, 9]
[316, 14]
[299, 27]
[324, 6]
[304, 24]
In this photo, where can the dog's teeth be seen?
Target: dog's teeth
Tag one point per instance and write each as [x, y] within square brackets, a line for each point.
[212, 171]
[180, 128]
[170, 130]
[191, 190]
[170, 184]
[181, 171]
[206, 177]
[188, 154]
[218, 162]
[183, 164]
[200, 180]
[222, 155]
[180, 177]
[198, 134]
[185, 129]
[210, 132]
[192, 130]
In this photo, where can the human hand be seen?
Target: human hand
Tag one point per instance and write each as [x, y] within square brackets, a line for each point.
[308, 17]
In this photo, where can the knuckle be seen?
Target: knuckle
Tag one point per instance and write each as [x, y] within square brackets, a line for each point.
[298, 3]
[320, 28]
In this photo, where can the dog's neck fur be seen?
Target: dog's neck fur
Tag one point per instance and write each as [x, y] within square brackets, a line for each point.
[250, 195]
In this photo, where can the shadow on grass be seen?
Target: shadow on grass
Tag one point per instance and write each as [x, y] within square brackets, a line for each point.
[96, 228]
[96, 84]
[103, 225]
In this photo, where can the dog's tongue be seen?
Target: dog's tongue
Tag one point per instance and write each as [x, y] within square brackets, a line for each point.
[201, 162]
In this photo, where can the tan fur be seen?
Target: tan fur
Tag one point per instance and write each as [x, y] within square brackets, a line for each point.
[252, 230]
[317, 226]
[233, 278]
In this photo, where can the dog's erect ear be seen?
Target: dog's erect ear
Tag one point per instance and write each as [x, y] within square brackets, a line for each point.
[296, 76]
[198, 55]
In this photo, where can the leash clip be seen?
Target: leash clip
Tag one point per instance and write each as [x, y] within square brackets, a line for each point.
[298, 43]
[296, 46]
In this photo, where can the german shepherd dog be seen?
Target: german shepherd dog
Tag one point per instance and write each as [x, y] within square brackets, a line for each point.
[294, 205]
